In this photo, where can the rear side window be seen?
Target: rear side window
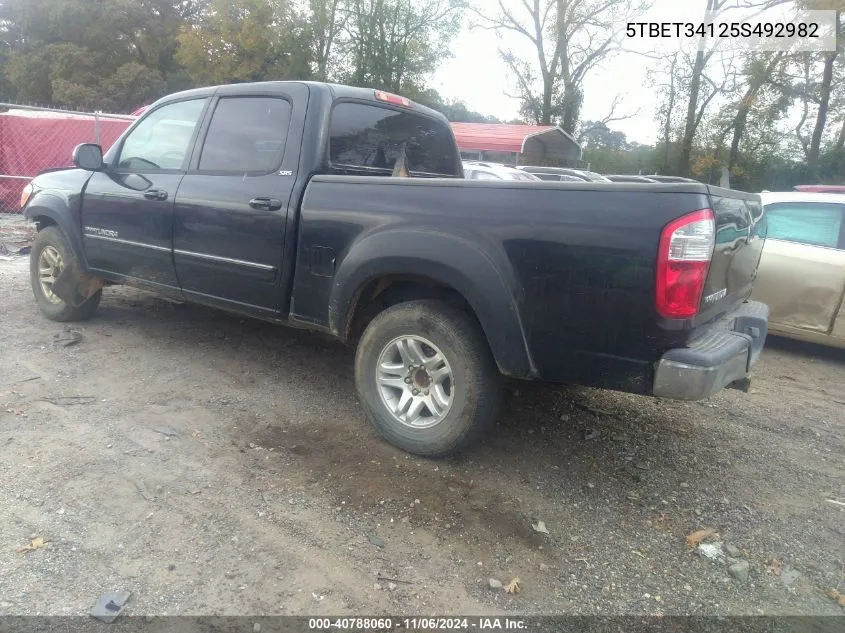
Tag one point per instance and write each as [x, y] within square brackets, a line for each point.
[369, 139]
[246, 134]
[814, 223]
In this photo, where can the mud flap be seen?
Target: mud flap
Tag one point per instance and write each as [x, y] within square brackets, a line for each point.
[74, 286]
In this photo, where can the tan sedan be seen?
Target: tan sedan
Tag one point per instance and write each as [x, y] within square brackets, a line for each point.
[802, 269]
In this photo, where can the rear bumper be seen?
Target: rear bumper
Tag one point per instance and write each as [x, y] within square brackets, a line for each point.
[723, 356]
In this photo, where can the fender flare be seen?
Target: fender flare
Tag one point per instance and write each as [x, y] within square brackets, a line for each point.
[452, 261]
[48, 206]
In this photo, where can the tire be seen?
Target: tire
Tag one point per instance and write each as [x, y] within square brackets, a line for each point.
[52, 240]
[467, 397]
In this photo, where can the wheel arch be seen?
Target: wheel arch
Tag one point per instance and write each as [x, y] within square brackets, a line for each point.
[46, 210]
[411, 265]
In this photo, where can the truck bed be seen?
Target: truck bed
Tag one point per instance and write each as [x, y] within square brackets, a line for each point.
[576, 261]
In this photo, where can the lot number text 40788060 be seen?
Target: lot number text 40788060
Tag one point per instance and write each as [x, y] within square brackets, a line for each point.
[417, 624]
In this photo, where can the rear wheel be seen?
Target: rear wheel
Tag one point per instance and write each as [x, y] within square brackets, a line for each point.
[48, 258]
[426, 377]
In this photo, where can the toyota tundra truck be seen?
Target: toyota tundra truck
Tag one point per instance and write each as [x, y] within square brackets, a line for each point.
[344, 210]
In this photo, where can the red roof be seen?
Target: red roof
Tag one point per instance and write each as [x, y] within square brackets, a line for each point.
[821, 188]
[494, 137]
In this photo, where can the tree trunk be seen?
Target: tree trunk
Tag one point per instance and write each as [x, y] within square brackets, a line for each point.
[691, 123]
[546, 112]
[571, 106]
[824, 104]
[840, 140]
[667, 126]
[741, 120]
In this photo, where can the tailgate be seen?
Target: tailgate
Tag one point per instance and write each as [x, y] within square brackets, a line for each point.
[740, 235]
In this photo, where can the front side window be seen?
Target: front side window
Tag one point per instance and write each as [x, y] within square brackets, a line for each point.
[814, 223]
[369, 139]
[246, 134]
[163, 138]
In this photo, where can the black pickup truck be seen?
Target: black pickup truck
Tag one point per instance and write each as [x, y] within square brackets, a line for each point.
[345, 210]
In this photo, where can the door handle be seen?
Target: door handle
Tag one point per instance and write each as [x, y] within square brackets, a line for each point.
[155, 194]
[265, 204]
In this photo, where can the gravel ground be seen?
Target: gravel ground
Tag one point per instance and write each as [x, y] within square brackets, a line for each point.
[213, 465]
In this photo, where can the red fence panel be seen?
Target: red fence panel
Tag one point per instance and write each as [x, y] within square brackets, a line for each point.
[33, 141]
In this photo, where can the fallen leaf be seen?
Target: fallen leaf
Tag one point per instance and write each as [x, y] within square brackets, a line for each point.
[512, 586]
[540, 527]
[840, 598]
[694, 539]
[34, 544]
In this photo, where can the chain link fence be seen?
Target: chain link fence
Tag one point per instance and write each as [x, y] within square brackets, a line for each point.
[33, 139]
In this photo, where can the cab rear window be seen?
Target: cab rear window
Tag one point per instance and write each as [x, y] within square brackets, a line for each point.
[367, 140]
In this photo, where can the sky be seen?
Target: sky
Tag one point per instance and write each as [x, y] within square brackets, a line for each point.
[477, 76]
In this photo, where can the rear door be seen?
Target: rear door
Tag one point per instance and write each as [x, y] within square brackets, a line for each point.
[232, 206]
[802, 271]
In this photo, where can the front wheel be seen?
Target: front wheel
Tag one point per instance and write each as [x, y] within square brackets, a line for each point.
[49, 255]
[426, 377]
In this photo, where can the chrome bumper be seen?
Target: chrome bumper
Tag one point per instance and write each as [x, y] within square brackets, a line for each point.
[723, 356]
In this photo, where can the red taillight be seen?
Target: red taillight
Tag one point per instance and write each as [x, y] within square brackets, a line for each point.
[391, 98]
[683, 260]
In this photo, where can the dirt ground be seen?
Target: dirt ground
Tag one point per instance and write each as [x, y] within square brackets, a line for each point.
[215, 465]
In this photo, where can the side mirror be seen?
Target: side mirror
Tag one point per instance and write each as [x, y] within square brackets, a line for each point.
[88, 156]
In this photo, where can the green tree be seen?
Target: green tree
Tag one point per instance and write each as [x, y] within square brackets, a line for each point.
[108, 54]
[245, 40]
[455, 111]
[395, 44]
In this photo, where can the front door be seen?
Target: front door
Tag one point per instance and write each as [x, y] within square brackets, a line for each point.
[127, 210]
[232, 205]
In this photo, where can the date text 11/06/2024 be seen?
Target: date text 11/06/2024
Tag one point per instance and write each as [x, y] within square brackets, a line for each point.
[417, 624]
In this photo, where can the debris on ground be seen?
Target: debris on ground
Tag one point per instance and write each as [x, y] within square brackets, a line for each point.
[788, 575]
[17, 382]
[835, 595]
[774, 565]
[713, 551]
[166, 432]
[513, 586]
[540, 527]
[596, 412]
[836, 502]
[70, 400]
[109, 606]
[739, 570]
[699, 536]
[592, 434]
[34, 544]
[386, 579]
[375, 540]
[494, 584]
[71, 337]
